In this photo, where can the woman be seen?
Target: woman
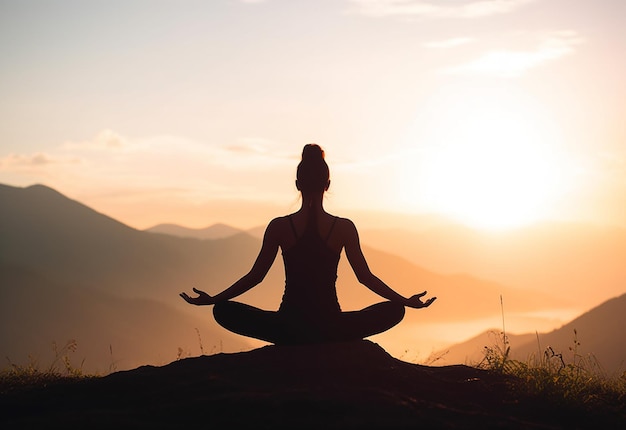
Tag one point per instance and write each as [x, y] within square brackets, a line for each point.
[311, 241]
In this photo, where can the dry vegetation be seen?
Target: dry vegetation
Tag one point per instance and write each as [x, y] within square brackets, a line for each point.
[32, 374]
[568, 379]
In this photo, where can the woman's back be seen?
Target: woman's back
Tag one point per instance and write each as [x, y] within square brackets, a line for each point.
[310, 273]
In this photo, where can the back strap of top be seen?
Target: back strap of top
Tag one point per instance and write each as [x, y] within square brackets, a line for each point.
[331, 230]
[293, 228]
[295, 233]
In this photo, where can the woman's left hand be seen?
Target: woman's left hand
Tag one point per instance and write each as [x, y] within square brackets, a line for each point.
[202, 299]
[416, 301]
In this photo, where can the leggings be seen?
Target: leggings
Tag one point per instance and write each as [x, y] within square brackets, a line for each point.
[282, 328]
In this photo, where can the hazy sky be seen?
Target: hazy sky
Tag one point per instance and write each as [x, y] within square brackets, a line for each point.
[495, 112]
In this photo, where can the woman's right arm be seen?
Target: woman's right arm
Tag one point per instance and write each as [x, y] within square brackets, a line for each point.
[257, 273]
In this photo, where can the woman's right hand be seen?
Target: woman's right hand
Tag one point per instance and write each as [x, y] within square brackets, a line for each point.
[202, 299]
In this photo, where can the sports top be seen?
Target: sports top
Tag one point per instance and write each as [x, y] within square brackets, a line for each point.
[310, 276]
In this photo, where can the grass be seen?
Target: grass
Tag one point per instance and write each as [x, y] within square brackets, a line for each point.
[32, 375]
[577, 381]
[17, 377]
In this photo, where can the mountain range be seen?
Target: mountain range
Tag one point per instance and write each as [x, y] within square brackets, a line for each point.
[215, 231]
[568, 260]
[67, 271]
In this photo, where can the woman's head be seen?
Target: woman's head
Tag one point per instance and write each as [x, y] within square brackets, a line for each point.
[313, 174]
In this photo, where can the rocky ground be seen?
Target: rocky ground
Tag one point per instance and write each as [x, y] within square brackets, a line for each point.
[344, 385]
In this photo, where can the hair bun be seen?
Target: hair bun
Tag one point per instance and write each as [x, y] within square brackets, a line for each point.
[312, 174]
[312, 152]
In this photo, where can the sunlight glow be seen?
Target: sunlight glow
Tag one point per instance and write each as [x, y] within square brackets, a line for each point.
[493, 165]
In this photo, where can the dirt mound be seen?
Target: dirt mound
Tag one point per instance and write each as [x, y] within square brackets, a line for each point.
[342, 385]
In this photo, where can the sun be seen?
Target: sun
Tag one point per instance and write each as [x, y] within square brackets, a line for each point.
[491, 166]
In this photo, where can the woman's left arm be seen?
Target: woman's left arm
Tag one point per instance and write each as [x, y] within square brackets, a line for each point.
[367, 278]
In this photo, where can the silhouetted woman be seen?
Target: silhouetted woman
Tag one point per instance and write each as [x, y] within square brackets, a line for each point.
[311, 241]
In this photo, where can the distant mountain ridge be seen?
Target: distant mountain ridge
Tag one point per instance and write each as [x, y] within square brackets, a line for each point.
[215, 231]
[47, 232]
[565, 260]
[562, 258]
[44, 230]
[61, 244]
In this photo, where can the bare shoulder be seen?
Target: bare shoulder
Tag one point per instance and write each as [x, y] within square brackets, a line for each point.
[345, 223]
[278, 221]
[346, 228]
[277, 224]
[277, 230]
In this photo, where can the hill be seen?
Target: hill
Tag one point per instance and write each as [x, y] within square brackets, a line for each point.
[68, 272]
[596, 335]
[342, 385]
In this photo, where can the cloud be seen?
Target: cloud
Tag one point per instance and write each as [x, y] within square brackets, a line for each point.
[251, 145]
[512, 64]
[113, 164]
[436, 9]
[16, 160]
[104, 140]
[448, 43]
[38, 159]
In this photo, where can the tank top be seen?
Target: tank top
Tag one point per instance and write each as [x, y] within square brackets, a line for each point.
[310, 276]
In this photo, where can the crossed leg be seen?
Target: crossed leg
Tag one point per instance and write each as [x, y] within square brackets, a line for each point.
[279, 328]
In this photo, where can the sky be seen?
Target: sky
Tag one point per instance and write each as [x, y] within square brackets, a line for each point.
[496, 113]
